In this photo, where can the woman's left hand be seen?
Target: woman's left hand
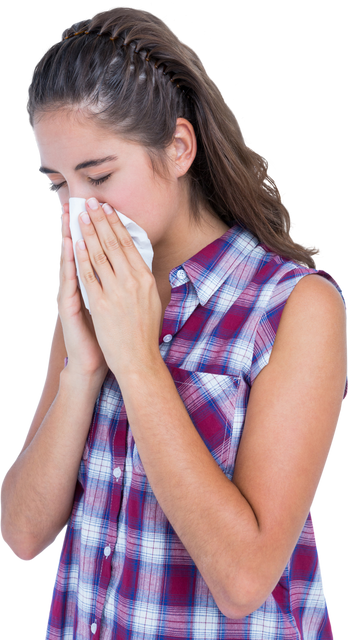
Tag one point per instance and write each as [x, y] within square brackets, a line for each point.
[125, 306]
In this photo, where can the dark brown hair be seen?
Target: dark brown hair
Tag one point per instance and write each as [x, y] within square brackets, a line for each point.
[131, 74]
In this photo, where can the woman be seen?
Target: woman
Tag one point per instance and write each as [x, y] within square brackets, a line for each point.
[185, 437]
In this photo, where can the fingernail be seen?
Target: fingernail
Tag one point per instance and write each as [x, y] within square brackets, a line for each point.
[93, 204]
[82, 244]
[107, 208]
[85, 217]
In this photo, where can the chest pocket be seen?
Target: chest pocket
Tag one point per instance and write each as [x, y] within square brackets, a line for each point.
[210, 400]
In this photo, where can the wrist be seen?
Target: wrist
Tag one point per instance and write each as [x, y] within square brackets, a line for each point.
[143, 376]
[89, 384]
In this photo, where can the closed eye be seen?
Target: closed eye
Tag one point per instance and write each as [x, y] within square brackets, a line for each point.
[95, 183]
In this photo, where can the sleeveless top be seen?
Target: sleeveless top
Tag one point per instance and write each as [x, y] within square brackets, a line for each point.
[123, 572]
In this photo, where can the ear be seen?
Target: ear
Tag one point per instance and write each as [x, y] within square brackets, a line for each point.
[184, 147]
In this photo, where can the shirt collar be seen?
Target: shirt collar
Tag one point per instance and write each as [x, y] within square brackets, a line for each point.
[212, 265]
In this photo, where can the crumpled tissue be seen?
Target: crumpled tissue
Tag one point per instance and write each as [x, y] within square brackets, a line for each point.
[139, 236]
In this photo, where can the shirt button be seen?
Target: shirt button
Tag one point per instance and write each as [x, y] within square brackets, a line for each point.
[181, 274]
[117, 473]
[94, 627]
[107, 551]
[167, 338]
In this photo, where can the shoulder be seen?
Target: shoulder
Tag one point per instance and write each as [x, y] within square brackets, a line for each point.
[313, 310]
[318, 289]
[316, 284]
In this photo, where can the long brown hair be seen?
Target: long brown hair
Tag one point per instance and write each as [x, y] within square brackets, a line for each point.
[131, 74]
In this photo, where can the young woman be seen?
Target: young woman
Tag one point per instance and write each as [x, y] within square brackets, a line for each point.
[185, 436]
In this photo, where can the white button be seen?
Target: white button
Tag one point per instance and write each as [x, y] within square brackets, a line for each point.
[181, 274]
[117, 472]
[167, 338]
[94, 627]
[107, 551]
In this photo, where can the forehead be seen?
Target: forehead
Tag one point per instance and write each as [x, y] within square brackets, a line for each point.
[67, 137]
[67, 122]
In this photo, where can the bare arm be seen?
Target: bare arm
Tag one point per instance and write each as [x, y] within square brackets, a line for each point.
[248, 528]
[38, 490]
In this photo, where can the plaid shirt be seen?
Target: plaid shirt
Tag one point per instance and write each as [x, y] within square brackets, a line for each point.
[124, 574]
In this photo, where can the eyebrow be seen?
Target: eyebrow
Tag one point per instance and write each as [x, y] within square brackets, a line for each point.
[83, 165]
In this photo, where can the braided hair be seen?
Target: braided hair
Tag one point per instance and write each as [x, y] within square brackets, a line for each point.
[126, 70]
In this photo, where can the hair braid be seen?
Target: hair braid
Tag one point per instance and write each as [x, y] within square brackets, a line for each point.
[132, 75]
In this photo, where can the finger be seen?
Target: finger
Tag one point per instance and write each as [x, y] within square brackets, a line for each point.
[86, 271]
[126, 241]
[66, 221]
[68, 276]
[59, 262]
[116, 243]
[63, 225]
[64, 216]
[96, 256]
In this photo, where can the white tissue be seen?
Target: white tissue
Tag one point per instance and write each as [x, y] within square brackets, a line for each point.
[140, 238]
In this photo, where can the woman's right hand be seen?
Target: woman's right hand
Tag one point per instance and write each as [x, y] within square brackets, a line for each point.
[84, 353]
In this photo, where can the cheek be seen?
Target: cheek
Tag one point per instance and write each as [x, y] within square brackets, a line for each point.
[145, 211]
[140, 198]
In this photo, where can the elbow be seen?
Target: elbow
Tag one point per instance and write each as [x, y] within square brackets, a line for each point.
[230, 610]
[13, 539]
[24, 552]
[16, 551]
[233, 608]
[24, 549]
[28, 544]
[24, 558]
[37, 549]
[236, 610]
[242, 598]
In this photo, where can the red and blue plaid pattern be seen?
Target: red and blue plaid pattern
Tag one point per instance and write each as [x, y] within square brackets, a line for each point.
[124, 573]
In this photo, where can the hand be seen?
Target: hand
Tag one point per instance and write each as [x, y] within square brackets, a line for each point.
[84, 353]
[125, 304]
